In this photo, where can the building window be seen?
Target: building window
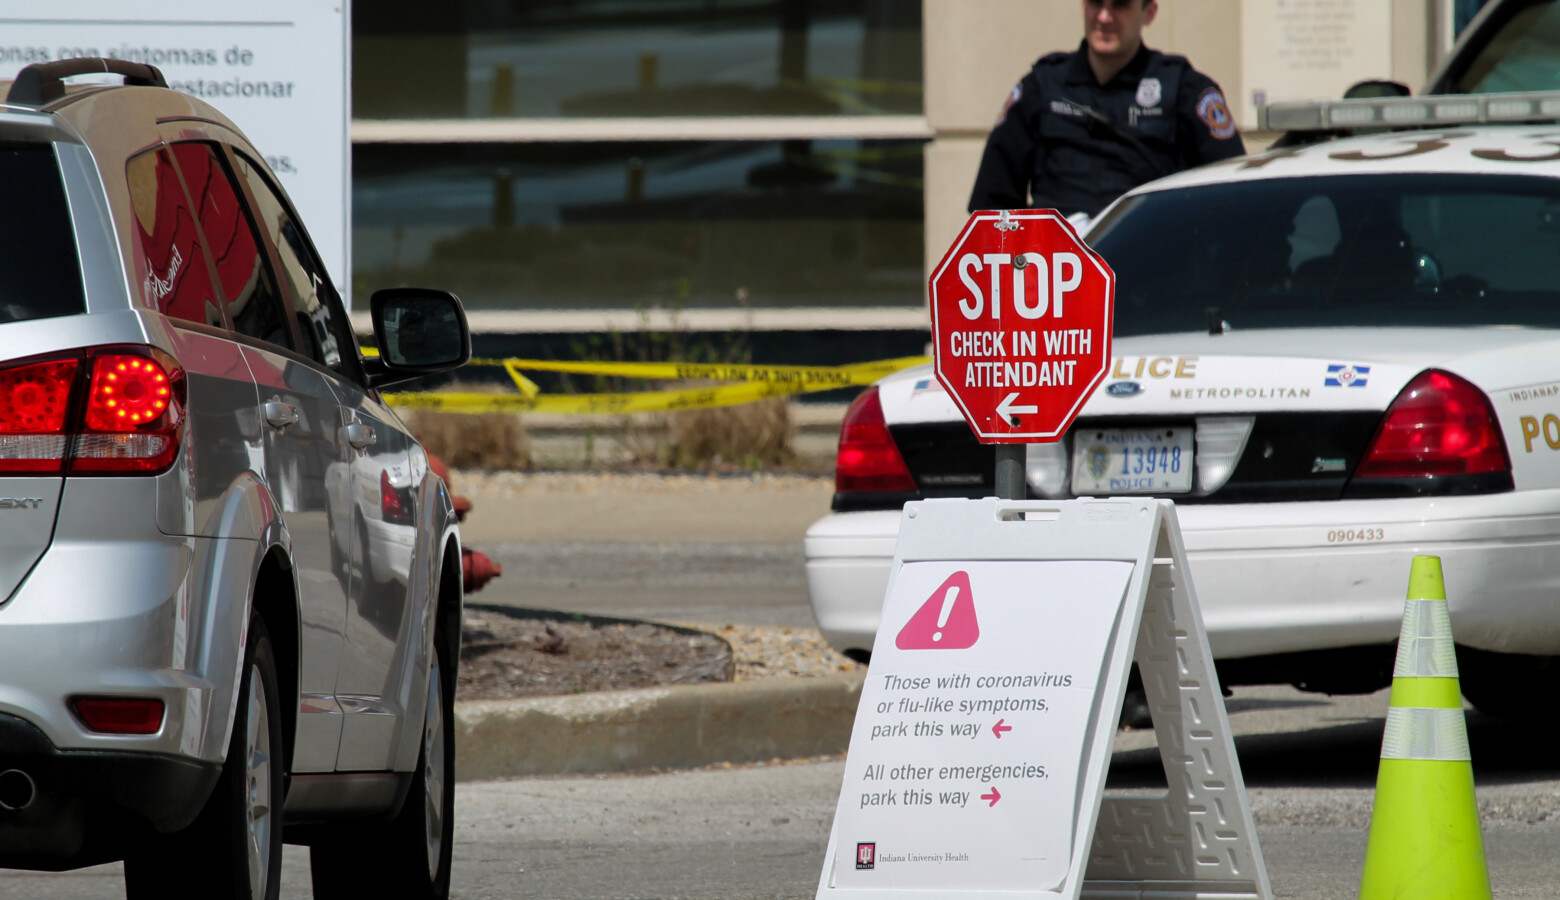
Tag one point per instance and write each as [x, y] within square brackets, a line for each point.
[608, 58]
[621, 224]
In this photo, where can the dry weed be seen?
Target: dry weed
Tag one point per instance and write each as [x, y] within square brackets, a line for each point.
[750, 436]
[464, 441]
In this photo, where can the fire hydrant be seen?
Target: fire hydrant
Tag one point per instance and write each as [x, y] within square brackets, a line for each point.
[477, 568]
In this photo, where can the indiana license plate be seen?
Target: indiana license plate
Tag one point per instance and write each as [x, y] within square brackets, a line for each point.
[1132, 460]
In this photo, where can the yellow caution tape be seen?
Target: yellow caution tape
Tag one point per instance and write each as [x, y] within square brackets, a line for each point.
[824, 377]
[753, 383]
[526, 386]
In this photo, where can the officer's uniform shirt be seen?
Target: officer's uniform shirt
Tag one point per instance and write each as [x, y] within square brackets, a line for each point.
[1046, 145]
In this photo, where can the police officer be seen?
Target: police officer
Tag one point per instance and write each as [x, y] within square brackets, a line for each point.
[1082, 128]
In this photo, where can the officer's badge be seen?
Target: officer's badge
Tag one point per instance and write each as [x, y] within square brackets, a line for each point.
[1099, 460]
[1149, 93]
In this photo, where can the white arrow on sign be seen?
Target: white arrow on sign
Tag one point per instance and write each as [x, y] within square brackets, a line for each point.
[1008, 411]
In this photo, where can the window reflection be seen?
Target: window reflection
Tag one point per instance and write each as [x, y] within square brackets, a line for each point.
[173, 274]
[254, 303]
[716, 224]
[323, 333]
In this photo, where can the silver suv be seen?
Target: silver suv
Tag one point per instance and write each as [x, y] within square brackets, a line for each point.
[230, 586]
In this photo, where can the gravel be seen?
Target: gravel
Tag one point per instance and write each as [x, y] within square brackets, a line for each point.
[555, 554]
[508, 654]
[769, 652]
[591, 542]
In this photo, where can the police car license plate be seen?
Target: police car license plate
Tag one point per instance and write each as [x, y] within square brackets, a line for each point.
[1132, 460]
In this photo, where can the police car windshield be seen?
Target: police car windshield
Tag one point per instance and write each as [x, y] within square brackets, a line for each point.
[42, 276]
[1347, 251]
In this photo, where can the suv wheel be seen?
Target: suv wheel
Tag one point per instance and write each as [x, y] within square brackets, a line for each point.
[411, 853]
[234, 847]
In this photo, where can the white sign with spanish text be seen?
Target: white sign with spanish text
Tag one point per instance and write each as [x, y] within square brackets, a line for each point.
[279, 69]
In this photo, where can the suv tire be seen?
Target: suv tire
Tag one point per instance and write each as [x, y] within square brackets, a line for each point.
[234, 847]
[411, 853]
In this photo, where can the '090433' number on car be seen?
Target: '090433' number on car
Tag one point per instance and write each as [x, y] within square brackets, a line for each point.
[1355, 535]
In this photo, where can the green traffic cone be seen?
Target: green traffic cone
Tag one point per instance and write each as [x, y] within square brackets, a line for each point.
[1425, 842]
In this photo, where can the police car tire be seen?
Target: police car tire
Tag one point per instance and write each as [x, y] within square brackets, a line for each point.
[1502, 684]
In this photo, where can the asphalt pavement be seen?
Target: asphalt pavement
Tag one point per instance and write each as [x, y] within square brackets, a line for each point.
[760, 831]
[704, 582]
[719, 550]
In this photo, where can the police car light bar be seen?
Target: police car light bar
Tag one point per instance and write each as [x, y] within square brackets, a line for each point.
[1400, 112]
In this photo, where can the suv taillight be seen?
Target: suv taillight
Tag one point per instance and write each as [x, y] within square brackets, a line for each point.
[1439, 425]
[119, 715]
[868, 461]
[34, 402]
[106, 411]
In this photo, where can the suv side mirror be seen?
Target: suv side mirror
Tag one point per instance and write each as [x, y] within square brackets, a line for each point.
[419, 332]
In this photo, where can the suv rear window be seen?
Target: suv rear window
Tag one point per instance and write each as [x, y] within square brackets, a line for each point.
[42, 276]
[1343, 251]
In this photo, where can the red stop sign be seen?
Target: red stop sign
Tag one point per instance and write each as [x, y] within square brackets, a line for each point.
[1021, 324]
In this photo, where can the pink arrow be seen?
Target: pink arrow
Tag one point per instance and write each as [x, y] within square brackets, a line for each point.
[993, 796]
[998, 728]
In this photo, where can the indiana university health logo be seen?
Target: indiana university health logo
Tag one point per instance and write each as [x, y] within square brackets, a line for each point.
[866, 856]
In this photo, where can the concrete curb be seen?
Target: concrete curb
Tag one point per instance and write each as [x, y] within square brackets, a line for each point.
[655, 728]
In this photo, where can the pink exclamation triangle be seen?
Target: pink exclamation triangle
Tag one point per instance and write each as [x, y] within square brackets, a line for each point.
[946, 621]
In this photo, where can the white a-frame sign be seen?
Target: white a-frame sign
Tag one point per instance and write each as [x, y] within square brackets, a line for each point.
[977, 763]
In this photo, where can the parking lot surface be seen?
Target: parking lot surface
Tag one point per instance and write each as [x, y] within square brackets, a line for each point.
[760, 831]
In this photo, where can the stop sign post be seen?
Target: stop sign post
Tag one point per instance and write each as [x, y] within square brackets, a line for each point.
[1021, 327]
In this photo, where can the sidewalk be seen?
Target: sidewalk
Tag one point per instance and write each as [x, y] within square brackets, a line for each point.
[559, 507]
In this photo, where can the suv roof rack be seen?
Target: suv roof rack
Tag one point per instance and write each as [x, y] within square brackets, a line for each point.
[43, 83]
[1378, 113]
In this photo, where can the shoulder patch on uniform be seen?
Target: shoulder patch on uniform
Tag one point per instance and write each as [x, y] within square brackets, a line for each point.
[1215, 113]
[1012, 98]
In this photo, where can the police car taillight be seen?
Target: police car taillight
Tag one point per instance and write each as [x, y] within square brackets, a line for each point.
[107, 411]
[868, 461]
[1439, 425]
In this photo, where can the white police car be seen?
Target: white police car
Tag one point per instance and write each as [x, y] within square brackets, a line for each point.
[1350, 350]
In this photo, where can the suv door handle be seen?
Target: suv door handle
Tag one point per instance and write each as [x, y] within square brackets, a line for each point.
[360, 436]
[279, 414]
